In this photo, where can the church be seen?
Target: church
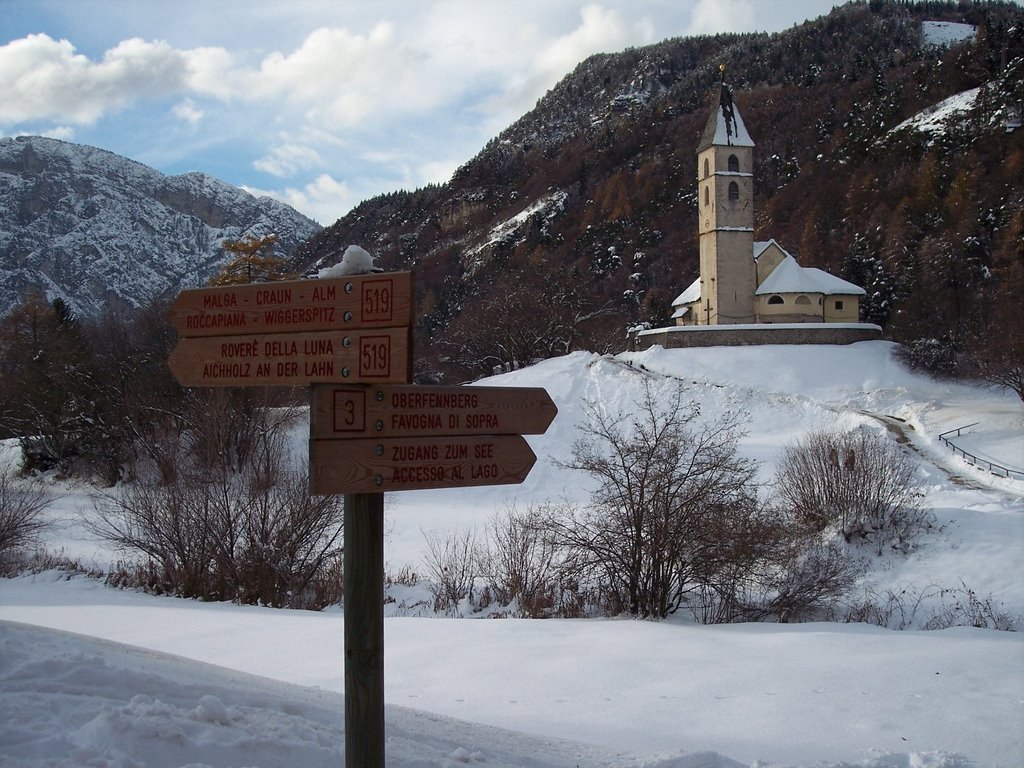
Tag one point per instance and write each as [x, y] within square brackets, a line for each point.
[742, 280]
[749, 291]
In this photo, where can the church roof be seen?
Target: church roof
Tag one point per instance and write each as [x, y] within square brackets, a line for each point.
[790, 277]
[760, 246]
[690, 294]
[725, 126]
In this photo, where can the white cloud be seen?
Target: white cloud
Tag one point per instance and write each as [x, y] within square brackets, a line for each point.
[62, 132]
[287, 159]
[324, 199]
[188, 111]
[343, 79]
[601, 30]
[598, 30]
[713, 16]
[42, 78]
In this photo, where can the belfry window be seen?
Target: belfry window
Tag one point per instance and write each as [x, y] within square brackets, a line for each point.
[734, 164]
[707, 168]
[707, 195]
[734, 190]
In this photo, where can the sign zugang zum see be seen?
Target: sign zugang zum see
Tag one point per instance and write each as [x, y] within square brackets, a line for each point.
[405, 464]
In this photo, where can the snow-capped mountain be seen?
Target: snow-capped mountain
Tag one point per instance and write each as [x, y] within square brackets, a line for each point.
[96, 229]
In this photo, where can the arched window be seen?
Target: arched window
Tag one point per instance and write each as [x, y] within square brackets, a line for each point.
[734, 190]
[775, 300]
[734, 164]
[707, 195]
[707, 168]
[802, 300]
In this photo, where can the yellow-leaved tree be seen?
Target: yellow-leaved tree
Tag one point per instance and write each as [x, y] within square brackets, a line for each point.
[253, 261]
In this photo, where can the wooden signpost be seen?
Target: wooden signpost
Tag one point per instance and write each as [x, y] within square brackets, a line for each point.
[417, 463]
[293, 359]
[344, 412]
[349, 340]
[360, 301]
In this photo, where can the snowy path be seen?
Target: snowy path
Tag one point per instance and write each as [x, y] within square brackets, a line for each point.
[789, 694]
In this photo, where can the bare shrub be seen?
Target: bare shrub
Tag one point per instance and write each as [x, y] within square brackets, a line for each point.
[964, 607]
[255, 536]
[40, 560]
[859, 483]
[405, 577]
[22, 502]
[519, 561]
[914, 608]
[812, 582]
[451, 565]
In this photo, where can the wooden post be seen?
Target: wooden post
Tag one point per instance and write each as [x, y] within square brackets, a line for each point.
[364, 630]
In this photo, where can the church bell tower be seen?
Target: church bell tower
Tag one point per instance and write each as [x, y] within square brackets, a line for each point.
[725, 183]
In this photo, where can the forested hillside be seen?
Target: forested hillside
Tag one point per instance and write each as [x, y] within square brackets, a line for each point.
[579, 219]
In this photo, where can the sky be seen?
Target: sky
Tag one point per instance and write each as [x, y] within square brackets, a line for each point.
[319, 103]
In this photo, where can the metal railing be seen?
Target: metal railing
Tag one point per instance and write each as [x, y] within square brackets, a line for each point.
[996, 469]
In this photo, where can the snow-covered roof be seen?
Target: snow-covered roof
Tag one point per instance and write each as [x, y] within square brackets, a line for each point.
[760, 246]
[688, 296]
[790, 277]
[725, 125]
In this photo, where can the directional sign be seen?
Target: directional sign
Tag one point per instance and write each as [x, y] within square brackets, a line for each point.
[382, 300]
[293, 359]
[342, 412]
[415, 463]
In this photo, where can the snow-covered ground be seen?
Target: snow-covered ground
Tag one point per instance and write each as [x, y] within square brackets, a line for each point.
[943, 33]
[575, 693]
[935, 118]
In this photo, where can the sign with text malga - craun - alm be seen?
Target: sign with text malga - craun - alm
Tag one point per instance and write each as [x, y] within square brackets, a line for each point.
[381, 300]
[352, 329]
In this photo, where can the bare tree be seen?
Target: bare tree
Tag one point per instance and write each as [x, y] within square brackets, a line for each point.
[666, 483]
[525, 316]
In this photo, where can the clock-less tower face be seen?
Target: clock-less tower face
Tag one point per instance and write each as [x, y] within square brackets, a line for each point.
[725, 183]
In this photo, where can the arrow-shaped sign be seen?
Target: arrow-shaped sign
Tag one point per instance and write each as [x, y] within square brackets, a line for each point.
[293, 359]
[382, 300]
[415, 463]
[342, 412]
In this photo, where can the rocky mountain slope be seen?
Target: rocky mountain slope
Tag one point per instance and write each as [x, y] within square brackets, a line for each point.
[593, 192]
[98, 230]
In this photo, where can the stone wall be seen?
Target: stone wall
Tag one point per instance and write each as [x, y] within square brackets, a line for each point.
[745, 335]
